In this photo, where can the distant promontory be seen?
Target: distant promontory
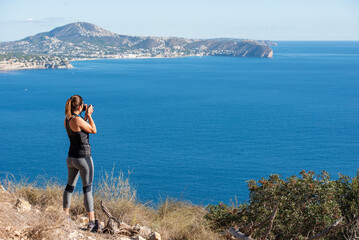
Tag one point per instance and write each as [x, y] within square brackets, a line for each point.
[83, 40]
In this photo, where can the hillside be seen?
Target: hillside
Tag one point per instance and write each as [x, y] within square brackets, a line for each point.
[85, 40]
[306, 207]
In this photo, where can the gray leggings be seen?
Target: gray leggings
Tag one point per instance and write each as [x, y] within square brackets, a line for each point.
[76, 167]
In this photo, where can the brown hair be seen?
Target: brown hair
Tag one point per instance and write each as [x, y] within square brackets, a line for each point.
[72, 103]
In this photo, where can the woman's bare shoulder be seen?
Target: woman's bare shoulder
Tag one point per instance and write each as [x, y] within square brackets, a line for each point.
[79, 121]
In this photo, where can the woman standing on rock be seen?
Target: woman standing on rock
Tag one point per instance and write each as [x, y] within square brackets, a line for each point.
[79, 160]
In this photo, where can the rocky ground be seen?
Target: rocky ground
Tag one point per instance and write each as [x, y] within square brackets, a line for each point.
[21, 220]
[33, 210]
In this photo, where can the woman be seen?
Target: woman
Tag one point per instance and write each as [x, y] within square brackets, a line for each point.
[79, 160]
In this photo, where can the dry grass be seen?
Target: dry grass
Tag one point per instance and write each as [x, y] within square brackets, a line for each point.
[37, 223]
[182, 220]
[173, 219]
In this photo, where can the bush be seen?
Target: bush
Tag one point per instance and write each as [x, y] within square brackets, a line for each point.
[222, 215]
[306, 206]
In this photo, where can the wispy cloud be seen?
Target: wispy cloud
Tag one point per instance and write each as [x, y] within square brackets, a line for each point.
[49, 20]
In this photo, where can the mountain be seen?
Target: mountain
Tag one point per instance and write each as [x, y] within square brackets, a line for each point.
[86, 40]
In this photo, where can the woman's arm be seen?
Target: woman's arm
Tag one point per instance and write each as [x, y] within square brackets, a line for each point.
[90, 126]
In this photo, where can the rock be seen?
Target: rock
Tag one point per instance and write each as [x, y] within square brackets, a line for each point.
[13, 233]
[58, 232]
[17, 233]
[137, 238]
[22, 205]
[73, 235]
[84, 220]
[145, 232]
[154, 236]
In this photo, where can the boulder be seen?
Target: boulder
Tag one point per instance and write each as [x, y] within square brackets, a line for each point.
[22, 205]
[145, 232]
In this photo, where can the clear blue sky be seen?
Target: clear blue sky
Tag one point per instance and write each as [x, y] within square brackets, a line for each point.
[255, 19]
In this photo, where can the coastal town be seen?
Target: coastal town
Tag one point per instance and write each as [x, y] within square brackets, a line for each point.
[10, 62]
[83, 41]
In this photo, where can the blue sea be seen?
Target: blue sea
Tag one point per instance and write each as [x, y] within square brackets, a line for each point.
[195, 128]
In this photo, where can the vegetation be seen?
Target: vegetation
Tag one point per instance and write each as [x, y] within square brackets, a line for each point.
[306, 206]
[297, 207]
[172, 218]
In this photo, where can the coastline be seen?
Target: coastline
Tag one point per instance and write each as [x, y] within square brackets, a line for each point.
[12, 62]
[8, 66]
[11, 65]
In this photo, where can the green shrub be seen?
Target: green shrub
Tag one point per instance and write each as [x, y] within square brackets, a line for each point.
[306, 206]
[222, 215]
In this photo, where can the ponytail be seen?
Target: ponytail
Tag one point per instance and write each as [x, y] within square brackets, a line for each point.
[68, 108]
[71, 104]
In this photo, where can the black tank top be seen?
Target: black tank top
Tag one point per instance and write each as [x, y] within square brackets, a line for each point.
[79, 141]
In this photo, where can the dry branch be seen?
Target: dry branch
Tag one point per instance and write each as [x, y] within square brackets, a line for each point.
[115, 226]
[238, 235]
[333, 227]
[250, 228]
[271, 222]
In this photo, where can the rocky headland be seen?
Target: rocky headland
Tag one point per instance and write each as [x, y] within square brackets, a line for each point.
[83, 40]
[10, 62]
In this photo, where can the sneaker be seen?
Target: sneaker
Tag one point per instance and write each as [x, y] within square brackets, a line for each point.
[93, 226]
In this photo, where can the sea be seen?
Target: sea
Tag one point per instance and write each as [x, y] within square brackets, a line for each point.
[192, 128]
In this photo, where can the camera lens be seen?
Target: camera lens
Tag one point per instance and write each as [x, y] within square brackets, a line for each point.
[86, 106]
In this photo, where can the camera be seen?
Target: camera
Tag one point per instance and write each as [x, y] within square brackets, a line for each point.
[84, 109]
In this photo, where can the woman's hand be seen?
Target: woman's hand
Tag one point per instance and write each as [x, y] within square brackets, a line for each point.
[90, 126]
[89, 110]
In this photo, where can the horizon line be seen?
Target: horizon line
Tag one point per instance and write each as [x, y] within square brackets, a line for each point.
[282, 40]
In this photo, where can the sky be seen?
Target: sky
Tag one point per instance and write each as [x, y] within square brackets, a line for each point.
[253, 19]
